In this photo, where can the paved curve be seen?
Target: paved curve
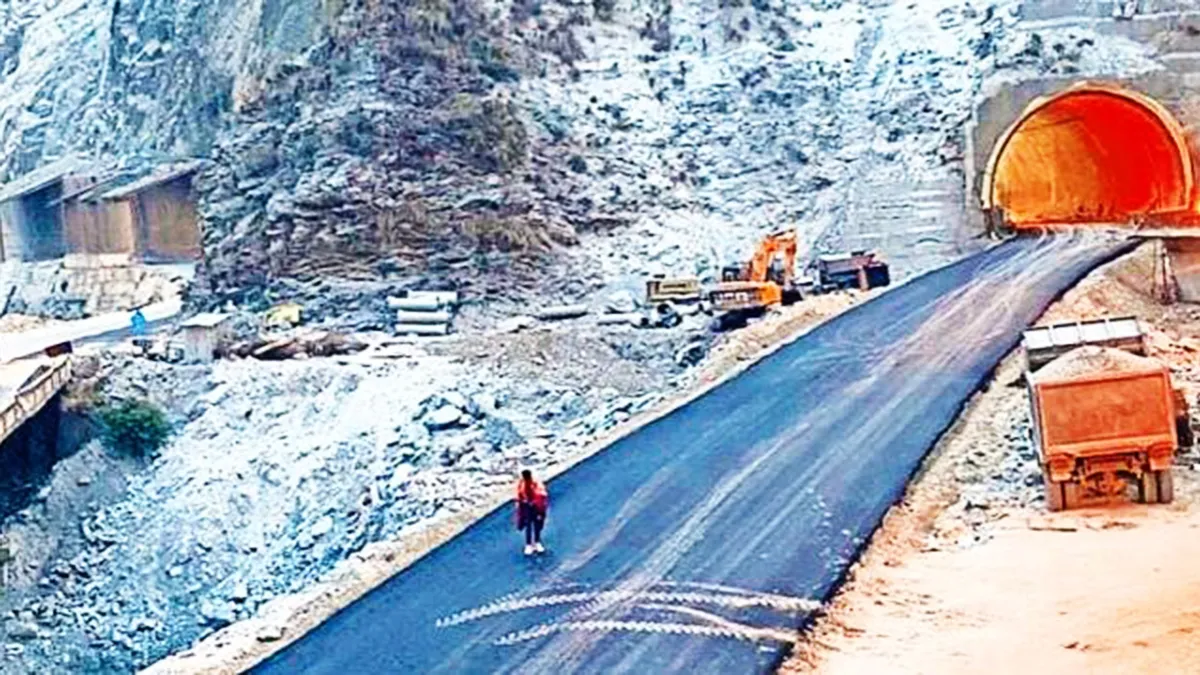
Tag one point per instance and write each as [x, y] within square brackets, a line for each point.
[698, 543]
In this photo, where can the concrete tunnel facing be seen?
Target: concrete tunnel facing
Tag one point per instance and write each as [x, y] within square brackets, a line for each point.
[1092, 153]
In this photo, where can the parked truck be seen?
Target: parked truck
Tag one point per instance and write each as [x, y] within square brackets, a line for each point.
[1104, 422]
[863, 270]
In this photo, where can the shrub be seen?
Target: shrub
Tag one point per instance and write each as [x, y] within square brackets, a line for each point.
[134, 428]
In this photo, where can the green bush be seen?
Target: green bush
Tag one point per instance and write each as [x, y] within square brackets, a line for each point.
[134, 428]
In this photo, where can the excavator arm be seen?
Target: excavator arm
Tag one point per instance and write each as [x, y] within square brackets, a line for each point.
[779, 243]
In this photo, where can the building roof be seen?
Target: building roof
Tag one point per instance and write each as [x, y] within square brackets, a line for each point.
[208, 320]
[161, 175]
[42, 177]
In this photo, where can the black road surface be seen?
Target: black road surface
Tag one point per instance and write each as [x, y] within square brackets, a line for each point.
[699, 543]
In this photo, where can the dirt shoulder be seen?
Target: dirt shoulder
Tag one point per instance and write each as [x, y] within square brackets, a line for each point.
[969, 573]
[284, 620]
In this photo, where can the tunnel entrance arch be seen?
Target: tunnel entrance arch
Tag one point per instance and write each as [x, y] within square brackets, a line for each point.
[1090, 154]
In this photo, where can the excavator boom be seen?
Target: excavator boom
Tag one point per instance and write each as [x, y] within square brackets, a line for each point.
[779, 243]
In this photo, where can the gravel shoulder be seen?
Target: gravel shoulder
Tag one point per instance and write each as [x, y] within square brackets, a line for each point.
[969, 573]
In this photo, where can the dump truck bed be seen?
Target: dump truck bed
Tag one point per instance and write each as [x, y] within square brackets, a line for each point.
[1102, 413]
[1043, 344]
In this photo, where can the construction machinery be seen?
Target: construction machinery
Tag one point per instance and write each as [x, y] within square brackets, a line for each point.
[863, 270]
[747, 289]
[680, 290]
[1106, 425]
[667, 299]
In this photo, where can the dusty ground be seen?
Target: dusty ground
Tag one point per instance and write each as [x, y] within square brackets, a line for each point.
[970, 574]
[285, 619]
[19, 323]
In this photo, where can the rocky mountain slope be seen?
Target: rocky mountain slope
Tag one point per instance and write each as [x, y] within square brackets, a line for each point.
[470, 143]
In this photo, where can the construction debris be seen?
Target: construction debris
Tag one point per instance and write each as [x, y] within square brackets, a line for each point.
[404, 316]
[627, 318]
[424, 301]
[562, 312]
[516, 324]
[422, 329]
[424, 312]
[286, 315]
[296, 346]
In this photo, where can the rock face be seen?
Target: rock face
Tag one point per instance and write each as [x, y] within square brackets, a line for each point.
[355, 143]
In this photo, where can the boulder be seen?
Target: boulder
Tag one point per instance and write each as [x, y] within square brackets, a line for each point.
[483, 404]
[456, 399]
[445, 417]
[322, 527]
[621, 302]
[217, 615]
[516, 324]
[240, 593]
[501, 434]
[413, 434]
[22, 630]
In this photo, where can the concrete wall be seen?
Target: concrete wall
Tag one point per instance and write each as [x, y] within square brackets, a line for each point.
[1185, 264]
[1171, 28]
[28, 456]
[55, 287]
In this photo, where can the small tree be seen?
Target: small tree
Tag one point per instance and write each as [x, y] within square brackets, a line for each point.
[133, 427]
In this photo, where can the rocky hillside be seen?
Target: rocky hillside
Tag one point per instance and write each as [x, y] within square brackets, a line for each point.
[395, 142]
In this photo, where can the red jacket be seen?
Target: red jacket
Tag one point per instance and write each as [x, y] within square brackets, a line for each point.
[534, 493]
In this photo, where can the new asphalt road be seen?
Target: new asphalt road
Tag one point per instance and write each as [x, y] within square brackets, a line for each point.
[699, 543]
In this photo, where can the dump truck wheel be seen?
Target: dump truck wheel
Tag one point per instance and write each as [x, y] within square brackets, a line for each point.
[1054, 496]
[1166, 486]
[1148, 488]
[1070, 498]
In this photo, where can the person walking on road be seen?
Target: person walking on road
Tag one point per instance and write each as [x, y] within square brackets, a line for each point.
[532, 503]
[137, 326]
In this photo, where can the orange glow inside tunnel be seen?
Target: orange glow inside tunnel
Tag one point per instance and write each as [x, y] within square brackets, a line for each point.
[1092, 156]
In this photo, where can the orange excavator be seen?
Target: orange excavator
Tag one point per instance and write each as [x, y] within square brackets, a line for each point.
[768, 279]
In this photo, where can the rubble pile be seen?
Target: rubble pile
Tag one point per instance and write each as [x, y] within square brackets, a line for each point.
[277, 471]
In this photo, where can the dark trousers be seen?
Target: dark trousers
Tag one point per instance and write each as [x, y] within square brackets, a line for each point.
[533, 520]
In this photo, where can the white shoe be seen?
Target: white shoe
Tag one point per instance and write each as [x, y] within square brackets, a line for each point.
[529, 549]
[538, 548]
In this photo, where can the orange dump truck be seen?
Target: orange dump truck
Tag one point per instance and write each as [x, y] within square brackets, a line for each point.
[1104, 422]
